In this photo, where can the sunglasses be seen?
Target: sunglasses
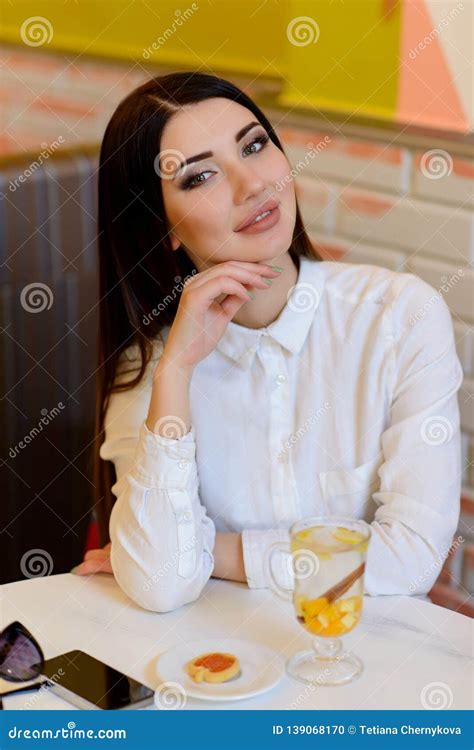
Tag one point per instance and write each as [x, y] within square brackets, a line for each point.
[21, 657]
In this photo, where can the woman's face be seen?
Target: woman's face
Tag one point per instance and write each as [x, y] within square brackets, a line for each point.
[208, 199]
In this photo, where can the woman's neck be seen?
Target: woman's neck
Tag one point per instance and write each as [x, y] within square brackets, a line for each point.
[267, 305]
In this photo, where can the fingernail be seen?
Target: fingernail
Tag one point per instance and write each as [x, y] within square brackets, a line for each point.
[252, 295]
[268, 281]
[73, 570]
[276, 268]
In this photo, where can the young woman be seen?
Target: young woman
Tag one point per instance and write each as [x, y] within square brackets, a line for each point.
[244, 383]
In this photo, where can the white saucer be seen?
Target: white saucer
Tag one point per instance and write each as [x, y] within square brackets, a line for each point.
[260, 669]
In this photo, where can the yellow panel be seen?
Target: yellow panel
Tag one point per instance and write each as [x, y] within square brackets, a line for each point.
[236, 35]
[343, 56]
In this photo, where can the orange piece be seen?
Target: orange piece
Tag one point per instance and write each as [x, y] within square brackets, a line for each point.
[312, 607]
[335, 628]
[324, 619]
[350, 604]
[332, 612]
[314, 626]
[298, 601]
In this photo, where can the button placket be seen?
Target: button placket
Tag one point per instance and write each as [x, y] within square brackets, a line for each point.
[180, 457]
[282, 479]
[186, 532]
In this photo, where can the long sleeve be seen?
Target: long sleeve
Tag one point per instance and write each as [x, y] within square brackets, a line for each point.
[162, 539]
[420, 477]
[419, 496]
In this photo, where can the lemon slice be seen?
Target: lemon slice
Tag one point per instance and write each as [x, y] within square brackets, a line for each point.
[306, 533]
[301, 536]
[323, 555]
[347, 536]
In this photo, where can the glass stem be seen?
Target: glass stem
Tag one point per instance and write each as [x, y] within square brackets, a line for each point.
[326, 648]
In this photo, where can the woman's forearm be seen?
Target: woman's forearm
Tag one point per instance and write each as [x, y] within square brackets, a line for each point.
[228, 557]
[169, 400]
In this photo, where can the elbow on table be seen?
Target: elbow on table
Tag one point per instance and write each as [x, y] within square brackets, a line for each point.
[413, 573]
[433, 555]
[163, 600]
[156, 595]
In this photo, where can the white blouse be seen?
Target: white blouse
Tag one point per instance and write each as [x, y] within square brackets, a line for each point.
[346, 404]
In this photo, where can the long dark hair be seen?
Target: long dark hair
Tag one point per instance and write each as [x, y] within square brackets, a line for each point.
[137, 266]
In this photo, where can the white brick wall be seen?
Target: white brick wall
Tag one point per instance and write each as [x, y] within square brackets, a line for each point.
[454, 188]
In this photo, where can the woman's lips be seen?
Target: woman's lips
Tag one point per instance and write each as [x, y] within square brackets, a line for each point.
[264, 224]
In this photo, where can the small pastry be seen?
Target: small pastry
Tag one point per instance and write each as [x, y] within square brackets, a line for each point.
[214, 667]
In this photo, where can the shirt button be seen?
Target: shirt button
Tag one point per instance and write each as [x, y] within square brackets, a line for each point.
[186, 516]
[183, 464]
[281, 379]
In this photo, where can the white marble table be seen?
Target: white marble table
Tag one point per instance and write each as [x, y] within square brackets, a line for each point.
[406, 644]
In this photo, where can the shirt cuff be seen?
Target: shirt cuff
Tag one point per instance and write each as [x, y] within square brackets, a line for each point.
[255, 543]
[164, 462]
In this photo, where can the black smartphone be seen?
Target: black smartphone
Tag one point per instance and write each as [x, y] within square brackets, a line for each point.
[88, 683]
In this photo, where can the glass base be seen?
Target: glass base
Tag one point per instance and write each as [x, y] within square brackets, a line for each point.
[312, 669]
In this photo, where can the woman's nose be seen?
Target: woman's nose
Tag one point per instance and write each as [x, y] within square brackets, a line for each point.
[247, 182]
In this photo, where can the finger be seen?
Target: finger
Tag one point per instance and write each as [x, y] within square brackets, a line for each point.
[250, 273]
[93, 566]
[99, 554]
[242, 281]
[231, 304]
[221, 285]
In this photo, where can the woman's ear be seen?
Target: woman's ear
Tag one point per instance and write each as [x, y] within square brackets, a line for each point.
[175, 243]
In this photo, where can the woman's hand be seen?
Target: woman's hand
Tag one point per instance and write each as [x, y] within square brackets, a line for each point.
[95, 561]
[202, 317]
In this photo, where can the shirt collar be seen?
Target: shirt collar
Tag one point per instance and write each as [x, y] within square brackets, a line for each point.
[291, 327]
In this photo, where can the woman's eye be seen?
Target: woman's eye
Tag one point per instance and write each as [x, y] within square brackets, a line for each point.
[196, 180]
[193, 181]
[262, 140]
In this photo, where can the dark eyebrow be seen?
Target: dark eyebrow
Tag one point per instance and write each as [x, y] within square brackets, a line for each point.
[207, 154]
